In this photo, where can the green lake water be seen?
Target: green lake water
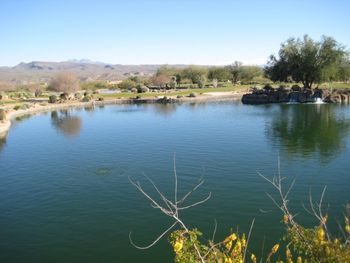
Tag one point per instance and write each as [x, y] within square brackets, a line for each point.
[65, 195]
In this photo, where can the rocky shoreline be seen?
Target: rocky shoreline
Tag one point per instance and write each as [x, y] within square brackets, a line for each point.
[295, 94]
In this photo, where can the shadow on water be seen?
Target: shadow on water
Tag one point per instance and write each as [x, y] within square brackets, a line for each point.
[306, 130]
[65, 123]
[2, 142]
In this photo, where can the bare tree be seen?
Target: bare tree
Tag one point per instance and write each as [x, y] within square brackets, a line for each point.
[66, 82]
[170, 208]
[161, 80]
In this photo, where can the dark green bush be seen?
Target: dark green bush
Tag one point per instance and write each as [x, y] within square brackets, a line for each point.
[192, 95]
[142, 89]
[87, 98]
[52, 99]
[64, 96]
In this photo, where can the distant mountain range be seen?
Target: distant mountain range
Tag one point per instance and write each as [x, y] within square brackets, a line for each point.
[86, 70]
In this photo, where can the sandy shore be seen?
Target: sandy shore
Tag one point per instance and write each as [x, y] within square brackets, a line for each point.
[37, 108]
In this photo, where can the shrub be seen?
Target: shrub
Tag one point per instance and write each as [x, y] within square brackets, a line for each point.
[16, 107]
[52, 99]
[179, 96]
[65, 82]
[78, 96]
[101, 99]
[64, 96]
[268, 87]
[87, 93]
[192, 95]
[87, 98]
[2, 114]
[142, 89]
[138, 97]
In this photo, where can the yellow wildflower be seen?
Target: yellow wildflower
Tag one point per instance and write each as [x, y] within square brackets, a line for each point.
[288, 255]
[253, 258]
[178, 245]
[285, 219]
[299, 260]
[231, 237]
[243, 241]
[275, 248]
[320, 234]
[228, 245]
[228, 260]
[347, 229]
[237, 249]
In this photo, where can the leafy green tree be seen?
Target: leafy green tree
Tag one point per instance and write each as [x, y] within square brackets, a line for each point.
[236, 71]
[307, 61]
[249, 73]
[219, 73]
[127, 84]
[194, 73]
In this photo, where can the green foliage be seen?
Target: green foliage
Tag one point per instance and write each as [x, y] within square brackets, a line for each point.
[52, 99]
[302, 245]
[24, 106]
[194, 73]
[127, 84]
[235, 70]
[246, 74]
[307, 61]
[98, 85]
[187, 247]
[87, 98]
[219, 73]
[192, 95]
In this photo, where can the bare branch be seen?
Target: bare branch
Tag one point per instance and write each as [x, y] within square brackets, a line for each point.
[195, 204]
[190, 192]
[250, 231]
[155, 241]
[214, 232]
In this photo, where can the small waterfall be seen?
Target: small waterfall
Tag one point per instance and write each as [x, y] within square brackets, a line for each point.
[318, 101]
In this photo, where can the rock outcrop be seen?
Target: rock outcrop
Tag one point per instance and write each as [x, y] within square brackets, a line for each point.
[294, 94]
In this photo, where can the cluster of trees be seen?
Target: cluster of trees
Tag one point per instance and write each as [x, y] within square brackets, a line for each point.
[170, 77]
[309, 62]
[236, 73]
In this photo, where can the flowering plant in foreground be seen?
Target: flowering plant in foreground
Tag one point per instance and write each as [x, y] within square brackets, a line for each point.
[300, 244]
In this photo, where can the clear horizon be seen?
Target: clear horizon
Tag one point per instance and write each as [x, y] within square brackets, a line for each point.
[163, 32]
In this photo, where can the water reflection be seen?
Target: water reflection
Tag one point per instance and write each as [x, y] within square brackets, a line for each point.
[65, 123]
[310, 129]
[166, 109]
[2, 142]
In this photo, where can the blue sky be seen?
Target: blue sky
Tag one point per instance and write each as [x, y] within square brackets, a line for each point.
[213, 32]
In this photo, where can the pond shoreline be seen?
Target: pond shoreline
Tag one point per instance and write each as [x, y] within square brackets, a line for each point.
[37, 108]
